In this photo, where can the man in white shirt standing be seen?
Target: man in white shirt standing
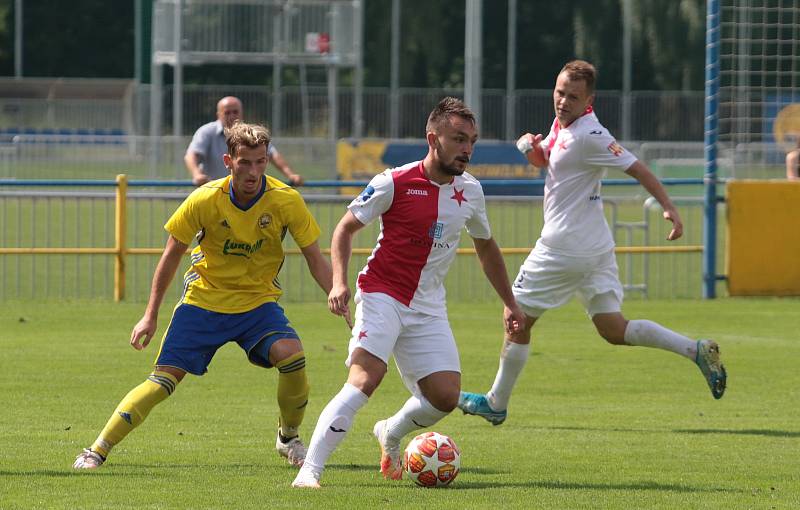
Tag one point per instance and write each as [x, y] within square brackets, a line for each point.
[575, 253]
[203, 158]
[400, 299]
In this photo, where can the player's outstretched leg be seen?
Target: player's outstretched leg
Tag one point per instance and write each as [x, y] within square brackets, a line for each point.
[478, 404]
[710, 364]
[88, 459]
[391, 459]
[292, 449]
[130, 413]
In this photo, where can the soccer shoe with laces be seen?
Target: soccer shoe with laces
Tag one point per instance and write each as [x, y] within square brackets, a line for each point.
[294, 450]
[478, 404]
[391, 459]
[307, 479]
[88, 459]
[707, 359]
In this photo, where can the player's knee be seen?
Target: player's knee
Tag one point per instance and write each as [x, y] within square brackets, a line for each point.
[611, 326]
[611, 334]
[445, 401]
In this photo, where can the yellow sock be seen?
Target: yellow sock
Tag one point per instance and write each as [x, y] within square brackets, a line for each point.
[292, 393]
[133, 409]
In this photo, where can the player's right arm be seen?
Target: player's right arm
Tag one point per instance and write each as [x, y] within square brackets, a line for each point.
[341, 248]
[531, 147]
[144, 330]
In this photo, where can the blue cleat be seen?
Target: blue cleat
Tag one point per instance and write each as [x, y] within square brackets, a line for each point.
[708, 360]
[478, 404]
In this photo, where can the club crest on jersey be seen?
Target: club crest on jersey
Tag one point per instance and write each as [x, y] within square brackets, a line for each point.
[615, 149]
[435, 232]
[458, 196]
[264, 220]
[366, 194]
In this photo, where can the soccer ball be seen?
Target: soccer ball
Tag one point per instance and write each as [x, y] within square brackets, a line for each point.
[432, 460]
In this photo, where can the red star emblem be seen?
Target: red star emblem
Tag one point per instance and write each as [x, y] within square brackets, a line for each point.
[458, 196]
[362, 334]
[562, 145]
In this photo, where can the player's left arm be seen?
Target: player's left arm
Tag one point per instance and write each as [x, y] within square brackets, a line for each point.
[281, 164]
[641, 173]
[319, 266]
[792, 162]
[494, 267]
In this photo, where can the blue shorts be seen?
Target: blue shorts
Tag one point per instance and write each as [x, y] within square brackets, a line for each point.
[194, 334]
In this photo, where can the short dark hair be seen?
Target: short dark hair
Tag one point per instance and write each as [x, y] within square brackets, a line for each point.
[246, 135]
[446, 107]
[581, 70]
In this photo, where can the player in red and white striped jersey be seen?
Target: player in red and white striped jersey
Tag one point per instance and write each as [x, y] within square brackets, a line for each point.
[400, 298]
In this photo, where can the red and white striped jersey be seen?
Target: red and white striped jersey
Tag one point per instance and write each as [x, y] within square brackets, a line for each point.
[421, 223]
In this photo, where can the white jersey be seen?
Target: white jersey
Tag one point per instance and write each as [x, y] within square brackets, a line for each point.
[573, 209]
[421, 223]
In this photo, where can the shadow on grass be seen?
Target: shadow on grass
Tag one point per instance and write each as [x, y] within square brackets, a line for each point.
[374, 467]
[460, 485]
[743, 432]
[541, 484]
[70, 473]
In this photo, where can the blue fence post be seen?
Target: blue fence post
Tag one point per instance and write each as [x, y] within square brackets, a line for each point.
[710, 150]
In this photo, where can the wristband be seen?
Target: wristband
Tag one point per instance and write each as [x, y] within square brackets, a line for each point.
[524, 145]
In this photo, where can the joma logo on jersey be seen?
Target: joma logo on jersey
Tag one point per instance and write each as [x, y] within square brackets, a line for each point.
[241, 249]
[594, 197]
[418, 192]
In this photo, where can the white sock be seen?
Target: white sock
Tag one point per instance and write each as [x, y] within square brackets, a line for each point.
[512, 360]
[416, 413]
[332, 425]
[649, 334]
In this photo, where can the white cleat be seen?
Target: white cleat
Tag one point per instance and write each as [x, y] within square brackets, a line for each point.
[306, 479]
[88, 459]
[391, 460]
[294, 450]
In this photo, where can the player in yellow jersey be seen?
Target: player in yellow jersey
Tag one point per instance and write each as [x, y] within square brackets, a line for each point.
[230, 292]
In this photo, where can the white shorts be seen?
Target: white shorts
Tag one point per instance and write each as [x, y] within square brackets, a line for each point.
[422, 344]
[548, 280]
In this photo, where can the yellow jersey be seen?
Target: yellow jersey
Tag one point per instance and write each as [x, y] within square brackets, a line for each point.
[240, 252]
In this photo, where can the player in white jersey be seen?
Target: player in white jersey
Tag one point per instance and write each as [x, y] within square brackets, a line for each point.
[400, 297]
[575, 253]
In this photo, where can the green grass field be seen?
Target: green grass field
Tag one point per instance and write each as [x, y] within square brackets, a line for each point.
[590, 426]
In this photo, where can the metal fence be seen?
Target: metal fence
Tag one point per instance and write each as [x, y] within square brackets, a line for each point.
[657, 116]
[91, 156]
[73, 221]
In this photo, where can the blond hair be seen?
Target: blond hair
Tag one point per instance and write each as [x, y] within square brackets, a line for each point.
[578, 70]
[246, 135]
